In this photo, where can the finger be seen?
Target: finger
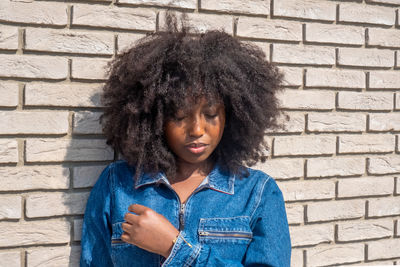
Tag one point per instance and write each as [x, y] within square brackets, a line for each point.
[125, 237]
[126, 227]
[130, 218]
[137, 208]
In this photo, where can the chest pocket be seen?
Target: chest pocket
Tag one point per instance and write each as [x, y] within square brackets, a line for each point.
[225, 230]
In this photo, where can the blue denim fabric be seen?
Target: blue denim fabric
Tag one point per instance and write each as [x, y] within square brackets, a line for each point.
[227, 221]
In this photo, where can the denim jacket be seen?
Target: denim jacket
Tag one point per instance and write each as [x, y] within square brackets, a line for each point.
[226, 221]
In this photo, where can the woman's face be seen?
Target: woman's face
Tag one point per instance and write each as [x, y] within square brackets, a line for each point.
[194, 133]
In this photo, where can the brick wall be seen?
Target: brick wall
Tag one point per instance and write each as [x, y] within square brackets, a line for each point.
[337, 162]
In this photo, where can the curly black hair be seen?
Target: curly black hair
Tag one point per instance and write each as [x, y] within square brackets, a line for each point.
[150, 81]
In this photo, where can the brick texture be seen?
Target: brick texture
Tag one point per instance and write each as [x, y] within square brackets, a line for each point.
[10, 258]
[365, 230]
[338, 166]
[308, 9]
[335, 156]
[336, 122]
[353, 12]
[9, 92]
[335, 78]
[335, 210]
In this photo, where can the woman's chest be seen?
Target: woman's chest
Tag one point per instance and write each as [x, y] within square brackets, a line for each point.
[209, 218]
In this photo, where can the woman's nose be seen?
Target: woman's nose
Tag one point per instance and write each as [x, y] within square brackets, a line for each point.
[196, 128]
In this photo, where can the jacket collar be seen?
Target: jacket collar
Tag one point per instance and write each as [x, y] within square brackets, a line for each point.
[217, 180]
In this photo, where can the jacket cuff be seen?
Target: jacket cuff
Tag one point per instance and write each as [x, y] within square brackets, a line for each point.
[183, 253]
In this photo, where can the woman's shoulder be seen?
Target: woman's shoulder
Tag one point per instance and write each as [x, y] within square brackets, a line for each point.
[260, 179]
[116, 171]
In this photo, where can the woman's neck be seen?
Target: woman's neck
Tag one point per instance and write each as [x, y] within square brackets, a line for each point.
[191, 171]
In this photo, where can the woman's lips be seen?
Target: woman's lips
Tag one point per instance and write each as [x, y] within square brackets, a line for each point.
[196, 148]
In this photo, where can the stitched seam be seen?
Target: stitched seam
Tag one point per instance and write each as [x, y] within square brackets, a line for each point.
[173, 253]
[259, 199]
[193, 256]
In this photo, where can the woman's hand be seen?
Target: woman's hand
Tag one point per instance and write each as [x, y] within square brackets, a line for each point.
[148, 230]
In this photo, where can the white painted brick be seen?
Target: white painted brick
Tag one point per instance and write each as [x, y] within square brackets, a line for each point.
[294, 124]
[335, 34]
[89, 68]
[114, 17]
[54, 231]
[307, 9]
[384, 37]
[335, 78]
[34, 177]
[86, 176]
[33, 66]
[49, 150]
[251, 6]
[10, 258]
[397, 107]
[294, 54]
[53, 256]
[69, 41]
[304, 145]
[365, 57]
[292, 76]
[384, 79]
[58, 256]
[336, 122]
[35, 12]
[269, 29]
[334, 254]
[337, 166]
[296, 258]
[398, 60]
[307, 190]
[202, 22]
[359, 230]
[8, 150]
[52, 204]
[375, 263]
[282, 168]
[359, 13]
[68, 95]
[384, 207]
[295, 213]
[311, 234]
[335, 210]
[9, 94]
[384, 165]
[180, 3]
[33, 122]
[307, 99]
[127, 40]
[371, 143]
[10, 207]
[78, 229]
[87, 122]
[394, 2]
[365, 101]
[8, 37]
[365, 186]
[388, 248]
[384, 121]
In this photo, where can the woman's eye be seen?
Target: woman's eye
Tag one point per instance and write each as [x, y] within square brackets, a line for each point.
[211, 115]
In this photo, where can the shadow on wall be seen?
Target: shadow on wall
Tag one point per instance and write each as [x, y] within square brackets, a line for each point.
[69, 165]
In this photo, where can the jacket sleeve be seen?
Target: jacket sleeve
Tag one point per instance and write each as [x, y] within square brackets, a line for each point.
[270, 245]
[96, 228]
